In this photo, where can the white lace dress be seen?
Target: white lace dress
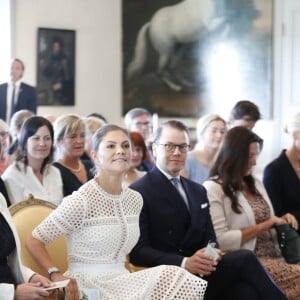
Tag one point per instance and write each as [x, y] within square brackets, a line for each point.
[101, 229]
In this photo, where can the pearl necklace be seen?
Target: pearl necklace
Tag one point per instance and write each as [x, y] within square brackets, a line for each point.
[72, 169]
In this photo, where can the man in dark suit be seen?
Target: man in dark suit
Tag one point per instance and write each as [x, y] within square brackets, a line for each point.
[176, 226]
[16, 95]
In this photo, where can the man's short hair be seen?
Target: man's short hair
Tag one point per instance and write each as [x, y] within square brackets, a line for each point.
[245, 108]
[171, 124]
[133, 113]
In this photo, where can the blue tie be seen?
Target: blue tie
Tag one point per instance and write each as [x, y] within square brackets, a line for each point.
[175, 182]
[12, 103]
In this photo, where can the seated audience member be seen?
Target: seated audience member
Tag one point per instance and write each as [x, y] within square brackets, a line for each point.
[282, 176]
[32, 172]
[98, 116]
[50, 118]
[16, 122]
[17, 282]
[18, 119]
[3, 189]
[138, 154]
[176, 227]
[91, 125]
[210, 133]
[100, 222]
[241, 211]
[5, 140]
[69, 136]
[244, 113]
[139, 120]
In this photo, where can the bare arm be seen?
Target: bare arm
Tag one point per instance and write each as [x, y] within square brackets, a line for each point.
[253, 231]
[39, 252]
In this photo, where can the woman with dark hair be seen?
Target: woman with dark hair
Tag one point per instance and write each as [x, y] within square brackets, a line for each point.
[101, 224]
[139, 152]
[241, 211]
[32, 172]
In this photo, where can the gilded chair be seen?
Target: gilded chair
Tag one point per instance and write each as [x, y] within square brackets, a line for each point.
[131, 267]
[27, 215]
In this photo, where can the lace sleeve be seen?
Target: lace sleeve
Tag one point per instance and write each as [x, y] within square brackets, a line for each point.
[68, 216]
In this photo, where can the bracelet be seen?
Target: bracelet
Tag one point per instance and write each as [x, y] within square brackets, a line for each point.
[52, 274]
[31, 276]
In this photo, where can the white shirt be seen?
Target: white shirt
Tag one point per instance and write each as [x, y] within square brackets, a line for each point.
[9, 95]
[20, 184]
[180, 187]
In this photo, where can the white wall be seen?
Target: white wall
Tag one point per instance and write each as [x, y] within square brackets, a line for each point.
[98, 58]
[98, 49]
[5, 35]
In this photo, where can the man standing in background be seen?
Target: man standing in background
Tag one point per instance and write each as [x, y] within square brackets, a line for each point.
[244, 113]
[15, 94]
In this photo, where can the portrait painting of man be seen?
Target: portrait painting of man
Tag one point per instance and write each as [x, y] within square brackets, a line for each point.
[56, 67]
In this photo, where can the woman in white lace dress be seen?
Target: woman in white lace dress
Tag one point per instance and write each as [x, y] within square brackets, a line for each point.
[100, 222]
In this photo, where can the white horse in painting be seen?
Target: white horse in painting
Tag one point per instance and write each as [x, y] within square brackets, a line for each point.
[181, 23]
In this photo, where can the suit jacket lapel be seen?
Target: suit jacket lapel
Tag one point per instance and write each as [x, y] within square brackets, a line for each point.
[3, 104]
[171, 195]
[195, 209]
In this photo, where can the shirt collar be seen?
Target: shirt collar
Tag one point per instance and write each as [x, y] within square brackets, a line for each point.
[17, 83]
[166, 174]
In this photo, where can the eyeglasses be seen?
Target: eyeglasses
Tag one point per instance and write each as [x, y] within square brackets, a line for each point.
[170, 147]
[141, 124]
[3, 133]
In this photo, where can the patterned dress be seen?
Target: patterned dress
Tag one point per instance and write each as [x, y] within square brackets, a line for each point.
[284, 274]
[101, 229]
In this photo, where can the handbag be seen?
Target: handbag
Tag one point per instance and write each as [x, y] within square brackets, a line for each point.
[289, 243]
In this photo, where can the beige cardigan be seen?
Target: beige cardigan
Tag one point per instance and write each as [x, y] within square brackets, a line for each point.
[227, 223]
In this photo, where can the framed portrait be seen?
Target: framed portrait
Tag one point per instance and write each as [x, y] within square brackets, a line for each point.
[55, 66]
[184, 58]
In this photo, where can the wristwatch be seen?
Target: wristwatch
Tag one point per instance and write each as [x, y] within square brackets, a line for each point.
[53, 270]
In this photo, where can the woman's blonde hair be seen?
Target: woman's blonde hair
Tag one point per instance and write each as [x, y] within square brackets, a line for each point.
[91, 122]
[293, 124]
[66, 124]
[205, 120]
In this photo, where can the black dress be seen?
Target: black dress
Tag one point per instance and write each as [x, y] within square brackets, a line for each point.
[8, 244]
[70, 181]
[4, 192]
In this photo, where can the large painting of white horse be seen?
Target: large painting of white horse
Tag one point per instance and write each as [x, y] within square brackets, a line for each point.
[176, 52]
